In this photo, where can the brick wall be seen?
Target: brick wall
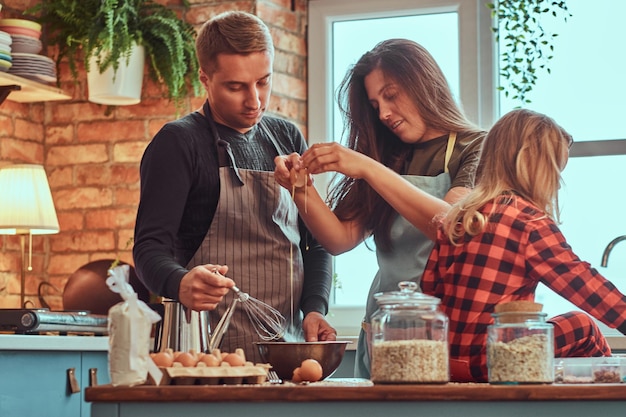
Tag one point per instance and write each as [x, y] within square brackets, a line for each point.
[92, 152]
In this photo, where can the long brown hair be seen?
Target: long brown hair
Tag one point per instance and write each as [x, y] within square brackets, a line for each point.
[521, 155]
[413, 68]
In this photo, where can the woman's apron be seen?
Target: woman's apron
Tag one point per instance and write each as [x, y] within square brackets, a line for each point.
[254, 232]
[406, 261]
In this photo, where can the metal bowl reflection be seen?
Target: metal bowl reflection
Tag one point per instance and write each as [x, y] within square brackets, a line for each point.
[287, 356]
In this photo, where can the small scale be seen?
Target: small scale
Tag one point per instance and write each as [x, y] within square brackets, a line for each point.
[37, 321]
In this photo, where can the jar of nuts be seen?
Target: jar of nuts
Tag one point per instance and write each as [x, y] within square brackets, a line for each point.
[409, 338]
[520, 345]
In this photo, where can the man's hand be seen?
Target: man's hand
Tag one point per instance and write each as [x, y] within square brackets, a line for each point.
[204, 286]
[316, 328]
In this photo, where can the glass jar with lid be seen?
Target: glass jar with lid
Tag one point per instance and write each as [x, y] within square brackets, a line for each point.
[409, 338]
[520, 345]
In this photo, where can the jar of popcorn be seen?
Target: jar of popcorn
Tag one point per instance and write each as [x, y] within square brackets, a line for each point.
[520, 345]
[409, 338]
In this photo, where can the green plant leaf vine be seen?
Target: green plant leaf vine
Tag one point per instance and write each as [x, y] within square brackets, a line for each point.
[117, 260]
[336, 286]
[525, 46]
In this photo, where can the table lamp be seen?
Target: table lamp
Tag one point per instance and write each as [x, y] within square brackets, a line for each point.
[26, 208]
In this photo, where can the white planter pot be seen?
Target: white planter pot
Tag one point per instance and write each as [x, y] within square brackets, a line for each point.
[121, 89]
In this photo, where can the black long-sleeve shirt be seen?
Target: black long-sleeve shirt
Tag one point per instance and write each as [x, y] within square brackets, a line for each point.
[179, 194]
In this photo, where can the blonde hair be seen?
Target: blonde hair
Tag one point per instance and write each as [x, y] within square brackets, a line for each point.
[232, 32]
[521, 155]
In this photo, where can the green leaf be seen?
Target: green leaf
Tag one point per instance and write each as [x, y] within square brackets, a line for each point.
[526, 41]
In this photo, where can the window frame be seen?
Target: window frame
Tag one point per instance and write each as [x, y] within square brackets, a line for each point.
[477, 53]
[479, 79]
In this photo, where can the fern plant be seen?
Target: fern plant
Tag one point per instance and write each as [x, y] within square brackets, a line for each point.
[525, 47]
[108, 29]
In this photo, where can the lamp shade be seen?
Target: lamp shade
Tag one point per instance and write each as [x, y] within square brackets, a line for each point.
[26, 204]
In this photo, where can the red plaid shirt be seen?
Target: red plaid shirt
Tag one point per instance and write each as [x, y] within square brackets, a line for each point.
[519, 248]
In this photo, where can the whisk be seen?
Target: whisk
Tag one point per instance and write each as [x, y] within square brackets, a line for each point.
[268, 322]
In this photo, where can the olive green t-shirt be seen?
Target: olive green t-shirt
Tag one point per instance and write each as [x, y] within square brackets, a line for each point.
[428, 158]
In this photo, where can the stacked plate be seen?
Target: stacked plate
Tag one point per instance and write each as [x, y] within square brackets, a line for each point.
[34, 67]
[5, 51]
[25, 46]
[21, 27]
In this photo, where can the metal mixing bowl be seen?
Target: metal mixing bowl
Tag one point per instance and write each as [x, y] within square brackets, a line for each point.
[287, 356]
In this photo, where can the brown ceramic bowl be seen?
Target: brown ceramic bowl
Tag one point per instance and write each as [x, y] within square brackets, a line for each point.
[287, 356]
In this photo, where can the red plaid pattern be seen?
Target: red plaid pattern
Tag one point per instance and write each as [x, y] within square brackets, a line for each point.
[519, 248]
[576, 335]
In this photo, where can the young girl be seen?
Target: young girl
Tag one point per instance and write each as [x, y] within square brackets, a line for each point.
[499, 242]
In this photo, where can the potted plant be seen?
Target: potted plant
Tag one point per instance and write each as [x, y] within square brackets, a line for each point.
[107, 31]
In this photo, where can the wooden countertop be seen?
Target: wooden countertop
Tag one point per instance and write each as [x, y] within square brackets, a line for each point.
[329, 391]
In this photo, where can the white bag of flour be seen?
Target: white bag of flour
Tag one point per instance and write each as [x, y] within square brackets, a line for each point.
[130, 325]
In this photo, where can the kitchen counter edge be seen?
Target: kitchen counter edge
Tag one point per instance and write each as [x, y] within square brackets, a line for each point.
[53, 343]
[329, 392]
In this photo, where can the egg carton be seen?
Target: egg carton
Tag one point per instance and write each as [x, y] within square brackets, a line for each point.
[214, 375]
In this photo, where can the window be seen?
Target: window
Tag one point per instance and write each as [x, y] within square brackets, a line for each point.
[339, 33]
[584, 93]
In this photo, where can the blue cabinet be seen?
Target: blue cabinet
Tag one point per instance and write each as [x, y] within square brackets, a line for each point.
[49, 383]
[95, 369]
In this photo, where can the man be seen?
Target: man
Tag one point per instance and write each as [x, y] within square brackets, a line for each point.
[210, 206]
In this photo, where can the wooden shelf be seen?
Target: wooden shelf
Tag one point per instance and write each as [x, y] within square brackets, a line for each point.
[29, 91]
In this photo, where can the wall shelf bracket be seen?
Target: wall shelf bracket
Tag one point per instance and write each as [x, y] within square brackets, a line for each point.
[5, 90]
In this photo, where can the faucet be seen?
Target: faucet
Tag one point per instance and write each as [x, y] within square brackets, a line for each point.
[609, 247]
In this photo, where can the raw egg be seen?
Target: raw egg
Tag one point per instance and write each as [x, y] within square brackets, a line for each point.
[296, 375]
[234, 360]
[210, 360]
[186, 359]
[162, 359]
[310, 370]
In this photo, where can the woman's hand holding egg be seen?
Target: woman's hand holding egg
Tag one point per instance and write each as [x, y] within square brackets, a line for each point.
[288, 170]
[299, 178]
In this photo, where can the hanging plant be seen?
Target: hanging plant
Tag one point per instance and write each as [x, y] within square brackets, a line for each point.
[525, 47]
[108, 29]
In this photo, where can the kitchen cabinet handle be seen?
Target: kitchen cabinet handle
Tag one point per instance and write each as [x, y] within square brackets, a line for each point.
[93, 377]
[72, 382]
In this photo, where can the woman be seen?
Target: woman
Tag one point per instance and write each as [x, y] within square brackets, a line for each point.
[410, 151]
[497, 244]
